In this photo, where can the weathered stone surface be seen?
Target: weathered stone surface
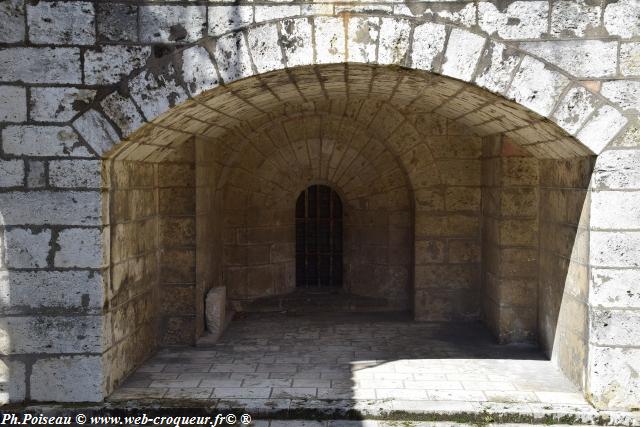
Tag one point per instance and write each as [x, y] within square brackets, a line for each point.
[362, 39]
[74, 173]
[198, 71]
[11, 173]
[50, 290]
[79, 247]
[13, 104]
[520, 19]
[58, 104]
[615, 209]
[12, 380]
[497, 65]
[615, 249]
[36, 177]
[40, 65]
[223, 19]
[537, 87]
[625, 93]
[574, 18]
[172, 24]
[45, 207]
[59, 22]
[232, 57]
[12, 18]
[117, 24]
[97, 131]
[155, 95]
[618, 170]
[601, 128]
[42, 141]
[428, 44]
[574, 109]
[123, 112]
[271, 12]
[583, 59]
[394, 41]
[70, 376]
[296, 41]
[264, 48]
[330, 39]
[614, 288]
[110, 63]
[215, 310]
[622, 18]
[463, 51]
[614, 327]
[630, 59]
[26, 248]
[614, 382]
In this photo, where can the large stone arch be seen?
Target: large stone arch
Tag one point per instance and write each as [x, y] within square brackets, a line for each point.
[472, 78]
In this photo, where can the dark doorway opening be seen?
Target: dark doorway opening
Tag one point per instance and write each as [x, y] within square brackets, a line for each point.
[318, 238]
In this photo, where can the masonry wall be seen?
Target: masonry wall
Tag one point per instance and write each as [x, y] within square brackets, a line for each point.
[510, 240]
[564, 264]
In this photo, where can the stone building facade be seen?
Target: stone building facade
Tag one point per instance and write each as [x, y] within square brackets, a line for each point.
[487, 154]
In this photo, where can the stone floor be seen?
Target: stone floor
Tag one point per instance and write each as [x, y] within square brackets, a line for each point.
[284, 361]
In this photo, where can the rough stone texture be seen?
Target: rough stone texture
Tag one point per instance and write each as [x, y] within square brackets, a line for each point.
[12, 18]
[601, 128]
[61, 23]
[53, 104]
[574, 109]
[110, 63]
[428, 42]
[13, 104]
[227, 18]
[79, 247]
[96, 131]
[215, 313]
[69, 376]
[574, 18]
[630, 59]
[42, 141]
[26, 248]
[11, 173]
[463, 52]
[622, 18]
[117, 24]
[583, 59]
[519, 20]
[625, 93]
[40, 65]
[172, 24]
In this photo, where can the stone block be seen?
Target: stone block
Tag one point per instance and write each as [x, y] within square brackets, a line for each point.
[615, 210]
[12, 381]
[625, 93]
[40, 65]
[618, 170]
[123, 112]
[464, 251]
[13, 104]
[223, 19]
[614, 288]
[614, 249]
[462, 199]
[75, 173]
[574, 109]
[622, 18]
[117, 24]
[96, 131]
[215, 310]
[429, 251]
[614, 327]
[574, 18]
[519, 20]
[109, 64]
[12, 18]
[449, 305]
[79, 247]
[362, 40]
[28, 291]
[428, 44]
[198, 71]
[463, 52]
[582, 58]
[232, 57]
[613, 382]
[51, 334]
[537, 87]
[295, 38]
[273, 12]
[26, 248]
[630, 59]
[172, 24]
[601, 128]
[67, 379]
[71, 22]
[51, 207]
[264, 48]
[11, 173]
[518, 232]
[497, 65]
[330, 39]
[42, 141]
[58, 104]
[394, 41]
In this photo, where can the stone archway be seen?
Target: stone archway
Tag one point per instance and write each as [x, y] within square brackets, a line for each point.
[520, 95]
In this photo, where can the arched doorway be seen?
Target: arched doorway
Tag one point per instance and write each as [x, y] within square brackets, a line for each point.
[319, 238]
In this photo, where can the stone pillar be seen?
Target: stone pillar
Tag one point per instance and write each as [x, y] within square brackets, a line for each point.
[510, 240]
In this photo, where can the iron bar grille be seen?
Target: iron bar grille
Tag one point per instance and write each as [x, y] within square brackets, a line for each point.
[319, 238]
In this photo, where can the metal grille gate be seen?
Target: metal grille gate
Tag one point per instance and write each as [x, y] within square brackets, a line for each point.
[319, 238]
